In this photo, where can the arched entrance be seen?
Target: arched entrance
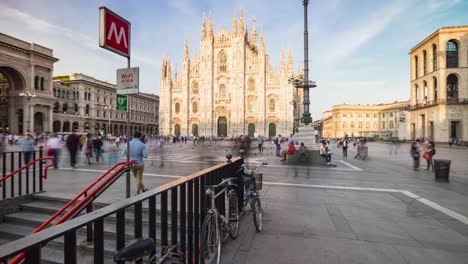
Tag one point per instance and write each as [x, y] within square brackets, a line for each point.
[39, 122]
[66, 126]
[222, 126]
[271, 129]
[75, 126]
[177, 130]
[195, 129]
[56, 126]
[452, 87]
[11, 117]
[251, 129]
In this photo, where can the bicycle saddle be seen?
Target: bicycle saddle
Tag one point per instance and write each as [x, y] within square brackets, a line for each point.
[135, 250]
[225, 182]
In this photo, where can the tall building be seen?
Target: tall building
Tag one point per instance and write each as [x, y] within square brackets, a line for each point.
[228, 88]
[439, 86]
[381, 120]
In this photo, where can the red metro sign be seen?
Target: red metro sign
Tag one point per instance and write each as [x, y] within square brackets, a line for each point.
[114, 32]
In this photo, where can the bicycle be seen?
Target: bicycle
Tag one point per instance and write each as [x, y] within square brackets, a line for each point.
[252, 185]
[142, 248]
[215, 223]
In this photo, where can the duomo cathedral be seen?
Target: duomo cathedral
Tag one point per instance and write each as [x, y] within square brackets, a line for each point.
[228, 88]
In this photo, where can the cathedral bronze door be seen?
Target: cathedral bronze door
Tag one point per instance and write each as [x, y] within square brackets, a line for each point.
[251, 129]
[195, 130]
[177, 130]
[271, 129]
[222, 126]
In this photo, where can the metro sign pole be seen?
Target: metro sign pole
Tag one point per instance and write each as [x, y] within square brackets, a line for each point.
[114, 35]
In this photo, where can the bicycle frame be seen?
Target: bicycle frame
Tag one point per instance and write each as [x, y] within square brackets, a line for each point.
[211, 193]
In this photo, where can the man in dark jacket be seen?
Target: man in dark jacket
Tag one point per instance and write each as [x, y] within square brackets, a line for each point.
[73, 144]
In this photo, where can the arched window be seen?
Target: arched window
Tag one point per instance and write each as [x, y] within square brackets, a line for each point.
[390, 125]
[383, 125]
[222, 91]
[177, 108]
[76, 107]
[36, 82]
[452, 54]
[416, 66]
[416, 93]
[344, 124]
[42, 83]
[435, 87]
[195, 107]
[68, 95]
[63, 94]
[65, 107]
[425, 92]
[222, 62]
[452, 87]
[87, 110]
[77, 95]
[56, 107]
[425, 62]
[251, 85]
[195, 88]
[272, 105]
[434, 57]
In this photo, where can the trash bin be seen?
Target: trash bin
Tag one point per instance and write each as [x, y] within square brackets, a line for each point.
[442, 170]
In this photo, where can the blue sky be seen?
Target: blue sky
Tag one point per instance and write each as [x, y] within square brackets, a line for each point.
[358, 49]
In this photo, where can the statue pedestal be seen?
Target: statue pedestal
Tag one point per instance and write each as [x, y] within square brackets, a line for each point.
[307, 134]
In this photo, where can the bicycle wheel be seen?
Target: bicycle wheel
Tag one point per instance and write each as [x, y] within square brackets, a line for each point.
[210, 239]
[257, 213]
[233, 214]
[173, 258]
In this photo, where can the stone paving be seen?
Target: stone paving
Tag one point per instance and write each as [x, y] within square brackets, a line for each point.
[375, 211]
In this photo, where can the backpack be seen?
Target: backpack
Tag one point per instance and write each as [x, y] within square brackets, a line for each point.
[433, 152]
[276, 141]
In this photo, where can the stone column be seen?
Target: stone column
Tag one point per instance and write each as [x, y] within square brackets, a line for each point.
[31, 116]
[26, 115]
[51, 121]
[12, 119]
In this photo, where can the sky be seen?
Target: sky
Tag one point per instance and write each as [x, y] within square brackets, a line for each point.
[358, 50]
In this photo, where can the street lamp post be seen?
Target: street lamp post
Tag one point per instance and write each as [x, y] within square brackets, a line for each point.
[28, 95]
[110, 108]
[302, 81]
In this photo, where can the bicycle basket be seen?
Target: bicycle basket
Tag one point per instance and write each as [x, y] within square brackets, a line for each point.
[258, 181]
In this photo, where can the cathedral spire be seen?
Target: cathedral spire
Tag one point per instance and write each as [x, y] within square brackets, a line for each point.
[290, 62]
[254, 33]
[186, 55]
[210, 29]
[234, 25]
[203, 34]
[282, 59]
[262, 41]
[241, 22]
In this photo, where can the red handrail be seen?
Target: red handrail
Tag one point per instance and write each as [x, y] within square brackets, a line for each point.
[122, 164]
[29, 164]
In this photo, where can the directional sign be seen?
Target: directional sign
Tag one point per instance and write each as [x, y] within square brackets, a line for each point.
[128, 80]
[114, 32]
[122, 103]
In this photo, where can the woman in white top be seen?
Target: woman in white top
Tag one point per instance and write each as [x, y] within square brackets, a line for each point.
[54, 144]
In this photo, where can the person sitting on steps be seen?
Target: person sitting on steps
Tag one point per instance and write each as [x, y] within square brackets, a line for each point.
[325, 152]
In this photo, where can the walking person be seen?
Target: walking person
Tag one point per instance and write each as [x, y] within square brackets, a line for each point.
[73, 144]
[138, 152]
[260, 141]
[89, 148]
[27, 145]
[428, 154]
[345, 147]
[414, 151]
[54, 144]
[97, 146]
[11, 139]
[277, 142]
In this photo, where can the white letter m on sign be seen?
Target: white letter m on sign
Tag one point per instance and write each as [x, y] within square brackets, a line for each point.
[119, 36]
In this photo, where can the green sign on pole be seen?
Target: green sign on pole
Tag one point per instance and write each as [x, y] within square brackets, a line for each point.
[122, 103]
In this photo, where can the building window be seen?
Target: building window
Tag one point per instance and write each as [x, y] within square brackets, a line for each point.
[416, 96]
[68, 95]
[97, 99]
[195, 107]
[425, 92]
[435, 88]
[344, 124]
[177, 108]
[352, 124]
[383, 114]
[416, 66]
[351, 115]
[56, 107]
[195, 88]
[359, 115]
[65, 107]
[251, 86]
[452, 54]
[367, 125]
[375, 115]
[87, 110]
[452, 87]
[222, 91]
[391, 114]
[76, 108]
[360, 125]
[367, 115]
[97, 113]
[383, 125]
[425, 62]
[434, 57]
[344, 115]
[272, 105]
[375, 125]
[222, 62]
[390, 125]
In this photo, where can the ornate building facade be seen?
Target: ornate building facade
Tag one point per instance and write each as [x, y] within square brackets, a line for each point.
[439, 86]
[228, 88]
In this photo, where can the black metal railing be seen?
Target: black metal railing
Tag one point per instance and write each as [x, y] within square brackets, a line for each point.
[27, 181]
[182, 207]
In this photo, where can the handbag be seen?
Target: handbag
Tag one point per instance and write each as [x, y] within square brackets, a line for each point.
[426, 155]
[50, 152]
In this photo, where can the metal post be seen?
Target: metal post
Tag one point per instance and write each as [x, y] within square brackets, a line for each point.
[128, 138]
[306, 115]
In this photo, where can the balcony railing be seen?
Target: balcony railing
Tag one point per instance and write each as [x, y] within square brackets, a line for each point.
[436, 102]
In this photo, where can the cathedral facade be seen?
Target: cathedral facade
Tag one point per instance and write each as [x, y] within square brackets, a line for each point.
[228, 88]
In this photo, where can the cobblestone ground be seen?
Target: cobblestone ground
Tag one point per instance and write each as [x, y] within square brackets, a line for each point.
[375, 211]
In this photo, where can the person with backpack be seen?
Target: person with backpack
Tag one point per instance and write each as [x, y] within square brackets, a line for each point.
[345, 147]
[429, 153]
[97, 146]
[414, 151]
[277, 142]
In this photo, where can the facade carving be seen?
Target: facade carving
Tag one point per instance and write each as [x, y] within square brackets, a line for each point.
[228, 88]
